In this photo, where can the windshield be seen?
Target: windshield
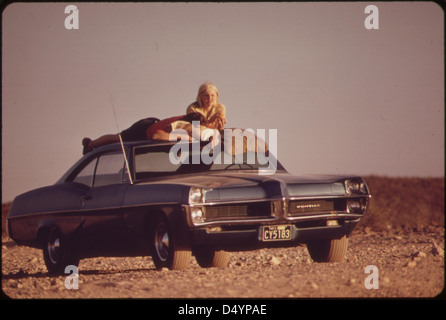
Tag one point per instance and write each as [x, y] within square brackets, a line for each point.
[152, 161]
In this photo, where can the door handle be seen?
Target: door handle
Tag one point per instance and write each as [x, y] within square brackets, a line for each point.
[85, 198]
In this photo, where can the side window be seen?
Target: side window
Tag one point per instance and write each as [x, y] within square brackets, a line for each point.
[109, 170]
[86, 175]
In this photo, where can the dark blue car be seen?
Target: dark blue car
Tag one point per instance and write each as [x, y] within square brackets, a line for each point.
[149, 203]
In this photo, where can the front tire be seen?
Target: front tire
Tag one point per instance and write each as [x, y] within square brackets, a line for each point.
[208, 258]
[166, 251]
[56, 253]
[328, 250]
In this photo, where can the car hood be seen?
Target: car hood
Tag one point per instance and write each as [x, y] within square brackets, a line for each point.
[221, 186]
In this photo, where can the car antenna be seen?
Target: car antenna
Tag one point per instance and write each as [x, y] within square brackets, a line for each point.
[120, 140]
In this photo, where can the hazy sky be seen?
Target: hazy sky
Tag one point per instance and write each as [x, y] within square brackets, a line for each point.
[344, 98]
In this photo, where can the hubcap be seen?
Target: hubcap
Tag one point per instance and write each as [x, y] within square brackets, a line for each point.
[53, 247]
[162, 242]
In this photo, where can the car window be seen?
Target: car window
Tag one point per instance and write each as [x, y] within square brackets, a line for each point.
[86, 174]
[155, 162]
[152, 162]
[109, 170]
[164, 160]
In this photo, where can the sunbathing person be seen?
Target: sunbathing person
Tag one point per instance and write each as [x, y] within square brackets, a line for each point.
[145, 129]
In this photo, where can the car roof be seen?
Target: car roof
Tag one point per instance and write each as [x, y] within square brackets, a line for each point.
[130, 144]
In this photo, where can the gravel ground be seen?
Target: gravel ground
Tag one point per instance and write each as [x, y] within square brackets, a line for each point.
[409, 264]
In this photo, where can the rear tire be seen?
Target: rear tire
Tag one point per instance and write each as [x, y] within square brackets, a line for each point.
[328, 250]
[166, 251]
[208, 258]
[56, 253]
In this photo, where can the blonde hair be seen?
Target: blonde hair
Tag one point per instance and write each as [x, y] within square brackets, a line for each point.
[203, 88]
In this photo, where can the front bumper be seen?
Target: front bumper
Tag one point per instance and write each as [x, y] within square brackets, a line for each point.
[250, 236]
[238, 224]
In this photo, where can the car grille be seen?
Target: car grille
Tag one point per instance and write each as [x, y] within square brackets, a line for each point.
[296, 207]
[241, 211]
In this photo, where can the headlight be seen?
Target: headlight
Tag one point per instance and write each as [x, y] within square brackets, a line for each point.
[354, 206]
[355, 187]
[197, 215]
[195, 195]
[357, 205]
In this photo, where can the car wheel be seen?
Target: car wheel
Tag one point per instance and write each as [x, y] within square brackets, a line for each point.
[166, 252]
[56, 254]
[208, 258]
[328, 250]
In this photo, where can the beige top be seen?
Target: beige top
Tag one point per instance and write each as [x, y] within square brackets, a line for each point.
[208, 113]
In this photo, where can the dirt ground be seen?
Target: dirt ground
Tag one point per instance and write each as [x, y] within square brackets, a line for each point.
[397, 251]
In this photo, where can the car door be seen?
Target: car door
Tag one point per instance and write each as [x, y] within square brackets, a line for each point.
[103, 230]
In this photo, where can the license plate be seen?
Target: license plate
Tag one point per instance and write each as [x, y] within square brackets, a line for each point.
[276, 233]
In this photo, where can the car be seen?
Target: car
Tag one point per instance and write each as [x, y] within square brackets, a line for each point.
[147, 204]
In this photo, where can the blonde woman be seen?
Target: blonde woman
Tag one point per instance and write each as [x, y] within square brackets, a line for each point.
[208, 105]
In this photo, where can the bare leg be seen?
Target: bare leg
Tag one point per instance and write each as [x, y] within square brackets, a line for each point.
[102, 140]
